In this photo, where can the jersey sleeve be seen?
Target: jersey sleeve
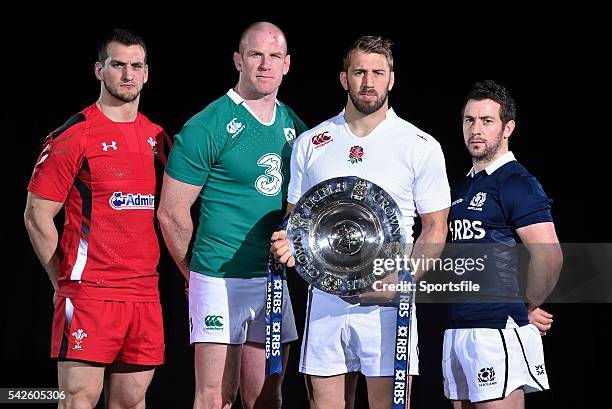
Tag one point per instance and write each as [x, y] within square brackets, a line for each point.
[298, 160]
[193, 154]
[164, 144]
[58, 164]
[431, 190]
[524, 201]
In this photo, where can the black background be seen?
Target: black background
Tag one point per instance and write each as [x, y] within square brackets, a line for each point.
[552, 64]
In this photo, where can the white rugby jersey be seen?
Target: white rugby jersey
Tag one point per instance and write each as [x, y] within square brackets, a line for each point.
[405, 161]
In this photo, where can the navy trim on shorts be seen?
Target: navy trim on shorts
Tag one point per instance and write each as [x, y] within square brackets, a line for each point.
[506, 359]
[306, 326]
[527, 362]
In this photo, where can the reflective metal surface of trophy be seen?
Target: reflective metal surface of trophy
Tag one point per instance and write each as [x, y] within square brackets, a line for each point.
[338, 228]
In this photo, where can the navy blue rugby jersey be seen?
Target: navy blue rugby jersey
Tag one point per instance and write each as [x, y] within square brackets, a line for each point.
[487, 208]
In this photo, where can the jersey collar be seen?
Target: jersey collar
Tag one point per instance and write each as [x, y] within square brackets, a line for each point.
[237, 99]
[498, 163]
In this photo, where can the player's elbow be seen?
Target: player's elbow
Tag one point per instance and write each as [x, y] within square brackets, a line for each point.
[164, 216]
[30, 219]
[553, 262]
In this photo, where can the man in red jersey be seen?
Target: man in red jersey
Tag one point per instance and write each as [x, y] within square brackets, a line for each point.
[104, 167]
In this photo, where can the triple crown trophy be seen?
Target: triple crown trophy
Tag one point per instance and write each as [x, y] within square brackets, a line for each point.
[338, 228]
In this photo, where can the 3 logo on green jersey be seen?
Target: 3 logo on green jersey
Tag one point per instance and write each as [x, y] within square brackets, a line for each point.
[271, 181]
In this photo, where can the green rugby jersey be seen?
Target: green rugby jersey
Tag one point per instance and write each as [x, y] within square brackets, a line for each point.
[243, 166]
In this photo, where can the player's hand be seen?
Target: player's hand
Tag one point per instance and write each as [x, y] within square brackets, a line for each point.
[280, 248]
[382, 296]
[54, 298]
[540, 318]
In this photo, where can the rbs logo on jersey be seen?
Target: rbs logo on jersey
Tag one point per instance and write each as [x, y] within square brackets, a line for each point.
[466, 229]
[137, 201]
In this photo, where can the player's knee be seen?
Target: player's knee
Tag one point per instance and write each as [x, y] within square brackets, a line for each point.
[273, 400]
[127, 405]
[213, 398]
[78, 401]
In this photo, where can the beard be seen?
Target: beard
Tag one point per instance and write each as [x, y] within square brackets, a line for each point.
[125, 97]
[367, 108]
[489, 151]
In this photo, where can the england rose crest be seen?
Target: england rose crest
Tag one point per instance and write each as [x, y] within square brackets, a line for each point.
[355, 154]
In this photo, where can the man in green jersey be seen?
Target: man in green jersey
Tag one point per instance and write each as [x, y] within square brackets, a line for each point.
[234, 155]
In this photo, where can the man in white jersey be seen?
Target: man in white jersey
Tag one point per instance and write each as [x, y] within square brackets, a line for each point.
[343, 337]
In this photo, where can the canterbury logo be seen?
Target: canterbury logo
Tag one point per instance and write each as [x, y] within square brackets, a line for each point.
[234, 127]
[213, 321]
[321, 139]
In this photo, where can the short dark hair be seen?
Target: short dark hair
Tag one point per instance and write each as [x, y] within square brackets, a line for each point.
[369, 44]
[122, 36]
[496, 92]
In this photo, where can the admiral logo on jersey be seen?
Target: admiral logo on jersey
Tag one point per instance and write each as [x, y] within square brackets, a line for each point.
[460, 200]
[119, 201]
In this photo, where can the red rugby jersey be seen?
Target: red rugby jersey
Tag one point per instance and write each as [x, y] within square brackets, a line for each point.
[108, 175]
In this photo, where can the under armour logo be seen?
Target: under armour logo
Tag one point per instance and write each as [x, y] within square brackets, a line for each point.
[113, 145]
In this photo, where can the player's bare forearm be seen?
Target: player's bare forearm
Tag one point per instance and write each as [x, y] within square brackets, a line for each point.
[177, 229]
[430, 242]
[545, 260]
[544, 267]
[290, 207]
[174, 215]
[38, 218]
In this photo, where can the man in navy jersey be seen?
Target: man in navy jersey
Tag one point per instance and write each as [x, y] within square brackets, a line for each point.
[493, 351]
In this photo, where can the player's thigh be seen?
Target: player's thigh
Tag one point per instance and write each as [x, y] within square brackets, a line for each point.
[81, 383]
[332, 392]
[257, 390]
[516, 400]
[126, 385]
[380, 391]
[217, 369]
[463, 404]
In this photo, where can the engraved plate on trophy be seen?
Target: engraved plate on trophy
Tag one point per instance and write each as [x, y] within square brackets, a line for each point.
[338, 228]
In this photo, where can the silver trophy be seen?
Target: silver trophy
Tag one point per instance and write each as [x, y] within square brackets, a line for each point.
[338, 228]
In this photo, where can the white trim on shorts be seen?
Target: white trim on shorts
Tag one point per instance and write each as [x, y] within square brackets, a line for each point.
[232, 310]
[340, 337]
[484, 363]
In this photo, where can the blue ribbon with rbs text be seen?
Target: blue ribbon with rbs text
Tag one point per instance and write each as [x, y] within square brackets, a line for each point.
[274, 313]
[402, 341]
